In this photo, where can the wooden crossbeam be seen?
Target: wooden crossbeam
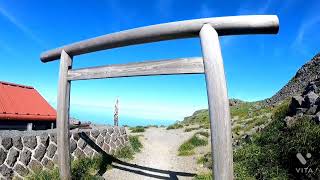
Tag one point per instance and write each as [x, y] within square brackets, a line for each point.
[148, 68]
[230, 25]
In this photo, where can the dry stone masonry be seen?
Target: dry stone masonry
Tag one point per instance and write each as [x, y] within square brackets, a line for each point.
[22, 152]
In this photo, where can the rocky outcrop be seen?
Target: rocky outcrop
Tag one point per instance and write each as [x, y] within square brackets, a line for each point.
[306, 74]
[24, 152]
[306, 104]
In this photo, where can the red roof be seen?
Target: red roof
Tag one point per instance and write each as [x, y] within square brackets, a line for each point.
[18, 102]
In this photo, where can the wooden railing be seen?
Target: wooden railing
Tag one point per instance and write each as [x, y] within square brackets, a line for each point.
[211, 65]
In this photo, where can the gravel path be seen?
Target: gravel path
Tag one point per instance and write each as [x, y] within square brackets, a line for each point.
[158, 158]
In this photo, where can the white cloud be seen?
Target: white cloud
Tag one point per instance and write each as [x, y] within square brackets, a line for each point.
[21, 26]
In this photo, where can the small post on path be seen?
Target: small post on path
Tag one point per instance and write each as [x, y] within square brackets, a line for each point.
[221, 140]
[116, 113]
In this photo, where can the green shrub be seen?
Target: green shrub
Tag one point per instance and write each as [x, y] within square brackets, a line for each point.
[206, 160]
[203, 133]
[206, 176]
[272, 153]
[175, 126]
[135, 143]
[82, 168]
[137, 129]
[191, 129]
[187, 148]
[44, 175]
[125, 153]
[205, 126]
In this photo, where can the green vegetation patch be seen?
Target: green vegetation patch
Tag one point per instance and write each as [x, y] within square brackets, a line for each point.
[135, 143]
[204, 176]
[204, 133]
[175, 126]
[125, 153]
[137, 129]
[82, 168]
[191, 129]
[187, 148]
[206, 160]
[272, 153]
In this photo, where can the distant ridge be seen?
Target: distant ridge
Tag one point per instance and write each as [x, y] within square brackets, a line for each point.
[307, 73]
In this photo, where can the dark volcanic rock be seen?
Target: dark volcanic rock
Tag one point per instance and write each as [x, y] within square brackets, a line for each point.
[310, 99]
[306, 74]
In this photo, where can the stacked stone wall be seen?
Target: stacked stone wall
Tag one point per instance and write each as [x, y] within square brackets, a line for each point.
[22, 152]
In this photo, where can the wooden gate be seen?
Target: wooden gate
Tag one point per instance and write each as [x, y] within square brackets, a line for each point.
[208, 29]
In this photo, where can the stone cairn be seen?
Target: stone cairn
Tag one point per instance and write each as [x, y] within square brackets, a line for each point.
[25, 152]
[307, 104]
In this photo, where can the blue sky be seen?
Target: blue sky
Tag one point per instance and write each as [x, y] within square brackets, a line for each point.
[256, 66]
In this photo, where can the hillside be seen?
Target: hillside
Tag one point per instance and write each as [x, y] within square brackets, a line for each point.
[307, 73]
[268, 136]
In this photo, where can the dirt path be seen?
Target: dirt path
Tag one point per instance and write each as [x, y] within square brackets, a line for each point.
[158, 159]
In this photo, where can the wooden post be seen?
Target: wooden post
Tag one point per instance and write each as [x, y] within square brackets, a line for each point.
[221, 140]
[63, 117]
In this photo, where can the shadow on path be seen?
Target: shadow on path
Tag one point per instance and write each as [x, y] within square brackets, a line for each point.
[125, 166]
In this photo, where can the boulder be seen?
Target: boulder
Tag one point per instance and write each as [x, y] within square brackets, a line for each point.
[310, 99]
[296, 102]
[317, 118]
[312, 110]
[310, 87]
[301, 110]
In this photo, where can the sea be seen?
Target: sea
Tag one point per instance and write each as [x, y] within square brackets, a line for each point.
[107, 119]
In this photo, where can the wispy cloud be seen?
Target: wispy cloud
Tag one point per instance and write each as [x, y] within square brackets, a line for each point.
[21, 26]
[307, 25]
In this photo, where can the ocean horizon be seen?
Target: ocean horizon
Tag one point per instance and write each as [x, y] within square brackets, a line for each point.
[107, 119]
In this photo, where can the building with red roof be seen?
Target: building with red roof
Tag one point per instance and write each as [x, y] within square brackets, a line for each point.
[22, 107]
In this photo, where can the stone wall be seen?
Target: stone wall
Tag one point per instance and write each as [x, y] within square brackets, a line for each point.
[22, 152]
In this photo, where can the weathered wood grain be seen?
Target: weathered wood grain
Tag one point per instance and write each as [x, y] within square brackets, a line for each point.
[63, 103]
[221, 139]
[164, 67]
[231, 25]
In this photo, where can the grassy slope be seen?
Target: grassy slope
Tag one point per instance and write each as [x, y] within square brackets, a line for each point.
[271, 154]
